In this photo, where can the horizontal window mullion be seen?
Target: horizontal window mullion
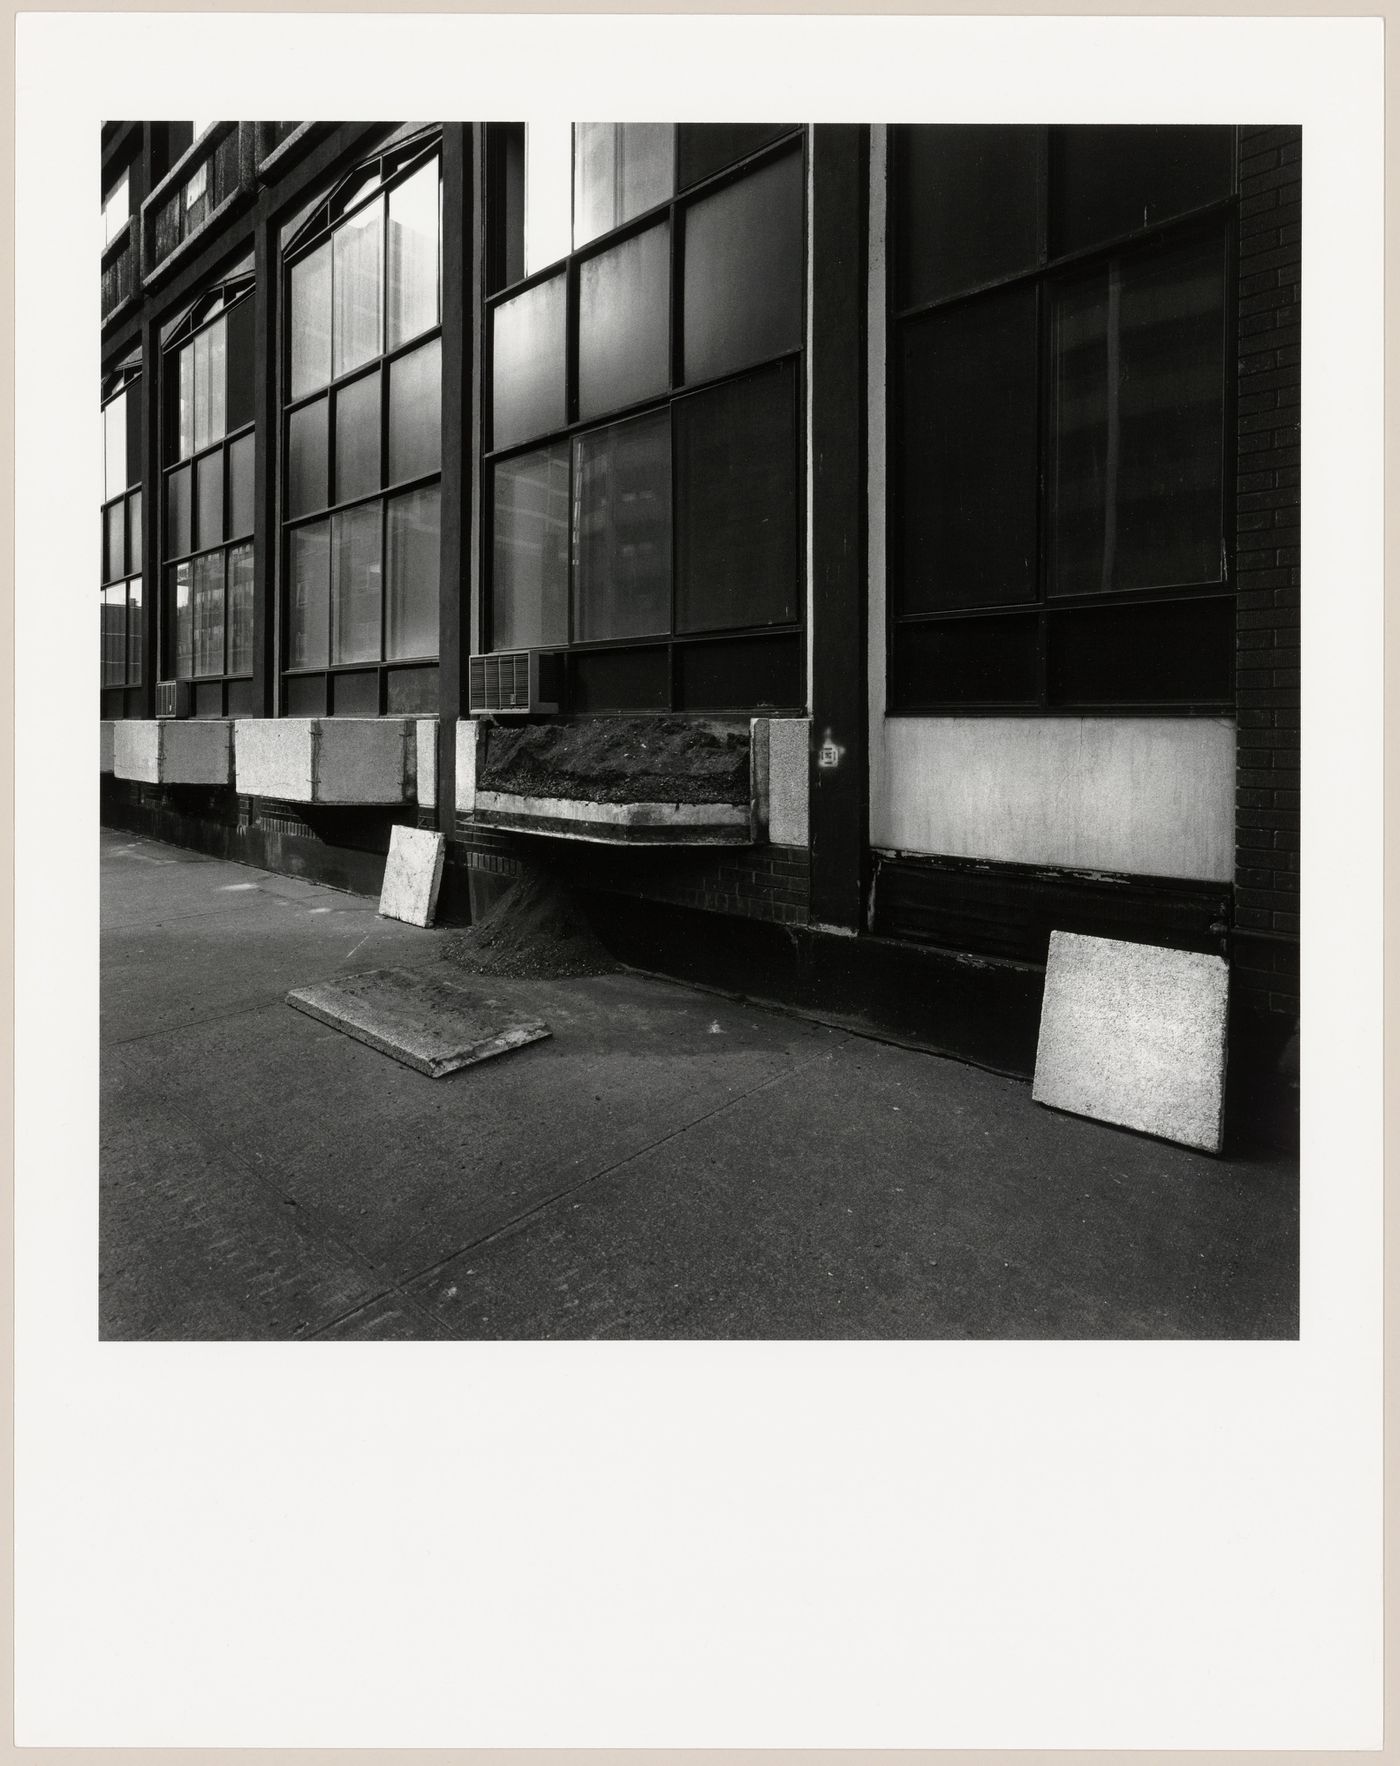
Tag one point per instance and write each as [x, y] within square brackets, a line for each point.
[386, 494]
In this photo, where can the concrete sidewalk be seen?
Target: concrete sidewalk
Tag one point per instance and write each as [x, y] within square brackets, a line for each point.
[669, 1164]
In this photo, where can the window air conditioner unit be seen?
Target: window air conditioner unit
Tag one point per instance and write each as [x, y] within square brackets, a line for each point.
[173, 698]
[518, 681]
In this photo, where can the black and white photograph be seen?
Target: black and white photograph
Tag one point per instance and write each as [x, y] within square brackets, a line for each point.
[699, 1033]
[700, 730]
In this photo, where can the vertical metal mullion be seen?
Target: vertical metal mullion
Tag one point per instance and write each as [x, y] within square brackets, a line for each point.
[1042, 423]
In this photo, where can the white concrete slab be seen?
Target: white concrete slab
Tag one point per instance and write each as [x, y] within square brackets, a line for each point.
[466, 765]
[425, 735]
[329, 760]
[788, 780]
[1134, 1035]
[412, 875]
[173, 751]
[423, 1020]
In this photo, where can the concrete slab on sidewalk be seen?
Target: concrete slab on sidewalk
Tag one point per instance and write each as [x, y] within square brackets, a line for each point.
[427, 1022]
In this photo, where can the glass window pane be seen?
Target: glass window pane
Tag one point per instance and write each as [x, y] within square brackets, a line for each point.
[208, 594]
[744, 271]
[1108, 181]
[413, 255]
[308, 485]
[185, 420]
[114, 542]
[240, 487]
[527, 374]
[357, 417]
[359, 286]
[1176, 652]
[965, 447]
[413, 575]
[178, 589]
[706, 148]
[548, 189]
[530, 575]
[311, 321]
[133, 631]
[736, 503]
[620, 170]
[133, 533]
[116, 210]
[355, 585]
[415, 413]
[114, 635]
[622, 538]
[240, 610]
[177, 512]
[239, 333]
[114, 446]
[966, 207]
[624, 326]
[308, 602]
[202, 402]
[209, 503]
[1138, 418]
[985, 661]
[218, 379]
[135, 470]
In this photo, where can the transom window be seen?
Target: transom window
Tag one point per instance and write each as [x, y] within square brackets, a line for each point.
[361, 490]
[209, 485]
[643, 411]
[121, 529]
[1059, 499]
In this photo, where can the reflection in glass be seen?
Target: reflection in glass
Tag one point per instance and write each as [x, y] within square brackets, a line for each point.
[413, 255]
[415, 414]
[209, 504]
[622, 537]
[743, 271]
[307, 465]
[114, 446]
[133, 630]
[311, 321]
[309, 568]
[547, 193]
[208, 596]
[413, 575]
[530, 579]
[185, 420]
[357, 438]
[133, 533]
[1138, 415]
[114, 547]
[240, 610]
[527, 376]
[177, 511]
[355, 585]
[240, 487]
[240, 347]
[624, 332]
[620, 170]
[358, 287]
[184, 620]
[114, 635]
[202, 394]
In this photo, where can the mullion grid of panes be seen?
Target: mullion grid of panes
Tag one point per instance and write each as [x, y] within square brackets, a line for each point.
[209, 487]
[1059, 401]
[643, 493]
[361, 490]
[121, 532]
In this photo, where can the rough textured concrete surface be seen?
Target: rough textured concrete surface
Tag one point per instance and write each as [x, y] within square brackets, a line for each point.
[331, 760]
[788, 779]
[108, 744]
[466, 765]
[412, 875]
[430, 1024]
[174, 751]
[1134, 1035]
[666, 1164]
[425, 736]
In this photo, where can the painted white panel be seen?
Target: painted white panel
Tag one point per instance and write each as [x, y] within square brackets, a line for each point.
[1154, 796]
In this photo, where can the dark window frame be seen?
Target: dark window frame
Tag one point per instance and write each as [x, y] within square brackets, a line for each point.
[1217, 220]
[212, 307]
[790, 140]
[124, 382]
[372, 178]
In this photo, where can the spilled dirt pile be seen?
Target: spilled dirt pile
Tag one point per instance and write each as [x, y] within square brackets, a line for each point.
[535, 930]
[620, 760]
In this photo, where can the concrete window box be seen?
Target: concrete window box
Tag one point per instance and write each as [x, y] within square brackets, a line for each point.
[174, 751]
[328, 760]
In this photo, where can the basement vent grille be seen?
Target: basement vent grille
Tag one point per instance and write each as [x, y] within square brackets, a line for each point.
[519, 681]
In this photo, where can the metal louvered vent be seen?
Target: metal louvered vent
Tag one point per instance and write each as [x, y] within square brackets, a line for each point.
[519, 681]
[173, 698]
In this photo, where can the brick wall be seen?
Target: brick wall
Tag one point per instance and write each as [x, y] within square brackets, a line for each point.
[761, 882]
[1267, 660]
